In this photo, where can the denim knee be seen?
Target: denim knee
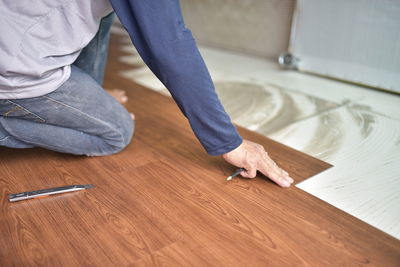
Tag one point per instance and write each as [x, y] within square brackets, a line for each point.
[127, 129]
[123, 136]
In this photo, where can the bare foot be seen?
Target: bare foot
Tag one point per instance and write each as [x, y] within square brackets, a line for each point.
[118, 94]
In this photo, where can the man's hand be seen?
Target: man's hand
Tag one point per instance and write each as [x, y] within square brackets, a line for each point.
[253, 158]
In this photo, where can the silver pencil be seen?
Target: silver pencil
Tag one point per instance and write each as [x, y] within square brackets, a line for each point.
[238, 171]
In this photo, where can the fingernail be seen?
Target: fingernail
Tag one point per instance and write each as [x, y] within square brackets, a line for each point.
[290, 180]
[285, 183]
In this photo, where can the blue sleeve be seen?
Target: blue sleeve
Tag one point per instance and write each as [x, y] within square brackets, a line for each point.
[157, 30]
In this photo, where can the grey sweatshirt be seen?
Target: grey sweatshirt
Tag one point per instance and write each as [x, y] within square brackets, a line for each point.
[39, 40]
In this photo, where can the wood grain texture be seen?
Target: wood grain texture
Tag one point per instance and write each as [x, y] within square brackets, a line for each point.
[164, 202]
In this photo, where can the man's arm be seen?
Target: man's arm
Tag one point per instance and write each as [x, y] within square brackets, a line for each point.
[159, 34]
[168, 48]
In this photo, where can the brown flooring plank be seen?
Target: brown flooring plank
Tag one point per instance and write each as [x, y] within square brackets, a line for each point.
[253, 219]
[176, 254]
[96, 227]
[208, 219]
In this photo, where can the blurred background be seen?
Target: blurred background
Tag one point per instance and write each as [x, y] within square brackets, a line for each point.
[320, 76]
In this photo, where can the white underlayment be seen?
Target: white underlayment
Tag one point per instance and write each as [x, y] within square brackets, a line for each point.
[354, 128]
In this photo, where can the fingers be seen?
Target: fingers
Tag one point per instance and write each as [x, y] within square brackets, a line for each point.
[249, 172]
[269, 168]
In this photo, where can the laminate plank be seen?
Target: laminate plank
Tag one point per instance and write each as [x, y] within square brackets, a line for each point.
[176, 254]
[81, 228]
[268, 228]
[206, 218]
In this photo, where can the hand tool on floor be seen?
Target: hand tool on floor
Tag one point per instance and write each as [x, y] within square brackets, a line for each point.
[47, 192]
[238, 171]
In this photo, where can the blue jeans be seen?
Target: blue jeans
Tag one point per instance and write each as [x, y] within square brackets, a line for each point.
[78, 118]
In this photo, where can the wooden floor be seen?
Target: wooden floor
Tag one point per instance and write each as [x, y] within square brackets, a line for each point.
[164, 202]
